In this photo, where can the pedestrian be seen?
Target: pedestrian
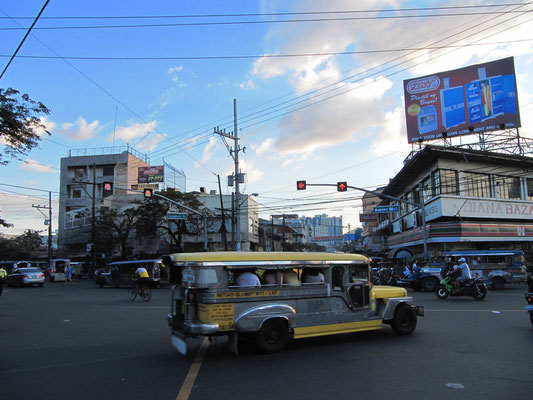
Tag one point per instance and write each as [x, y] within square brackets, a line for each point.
[3, 277]
[68, 275]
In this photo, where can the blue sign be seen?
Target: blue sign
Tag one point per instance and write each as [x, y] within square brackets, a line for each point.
[386, 209]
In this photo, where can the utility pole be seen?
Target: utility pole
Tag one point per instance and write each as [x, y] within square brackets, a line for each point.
[224, 236]
[234, 153]
[49, 208]
[93, 223]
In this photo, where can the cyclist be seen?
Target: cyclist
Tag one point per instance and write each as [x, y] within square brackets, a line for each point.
[142, 278]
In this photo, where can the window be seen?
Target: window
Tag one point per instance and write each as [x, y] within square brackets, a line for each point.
[426, 189]
[79, 172]
[475, 185]
[530, 189]
[76, 194]
[108, 170]
[507, 187]
[448, 181]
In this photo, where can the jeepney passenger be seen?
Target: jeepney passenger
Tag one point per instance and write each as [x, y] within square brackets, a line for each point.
[290, 278]
[248, 279]
[312, 275]
[270, 278]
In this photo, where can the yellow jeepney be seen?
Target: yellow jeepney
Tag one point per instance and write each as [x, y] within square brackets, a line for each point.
[276, 296]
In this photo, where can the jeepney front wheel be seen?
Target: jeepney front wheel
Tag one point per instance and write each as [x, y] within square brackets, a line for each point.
[404, 322]
[273, 336]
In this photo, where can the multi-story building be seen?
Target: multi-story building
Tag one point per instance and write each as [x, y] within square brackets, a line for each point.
[87, 177]
[325, 231]
[473, 200]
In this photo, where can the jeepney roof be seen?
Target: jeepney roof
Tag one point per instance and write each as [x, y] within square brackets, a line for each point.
[243, 257]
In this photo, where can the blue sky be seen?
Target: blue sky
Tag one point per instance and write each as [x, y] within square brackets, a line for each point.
[323, 118]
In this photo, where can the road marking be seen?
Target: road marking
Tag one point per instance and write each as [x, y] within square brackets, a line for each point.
[491, 311]
[158, 307]
[188, 383]
[455, 386]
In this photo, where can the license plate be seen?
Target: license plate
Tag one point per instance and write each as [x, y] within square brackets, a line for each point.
[188, 276]
[179, 344]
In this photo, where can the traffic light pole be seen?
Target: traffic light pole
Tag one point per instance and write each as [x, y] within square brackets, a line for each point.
[381, 195]
[204, 215]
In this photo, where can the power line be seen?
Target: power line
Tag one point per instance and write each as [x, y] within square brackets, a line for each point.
[24, 38]
[255, 56]
[247, 118]
[262, 22]
[275, 13]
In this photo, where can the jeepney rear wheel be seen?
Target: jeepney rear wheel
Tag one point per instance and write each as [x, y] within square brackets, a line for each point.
[430, 284]
[404, 321]
[273, 336]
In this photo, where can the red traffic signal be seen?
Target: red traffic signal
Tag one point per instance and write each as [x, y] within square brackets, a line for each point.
[108, 186]
[342, 187]
[148, 192]
[301, 185]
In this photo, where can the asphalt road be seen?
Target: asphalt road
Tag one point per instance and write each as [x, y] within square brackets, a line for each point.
[83, 342]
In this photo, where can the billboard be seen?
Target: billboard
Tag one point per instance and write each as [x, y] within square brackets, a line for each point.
[473, 99]
[151, 174]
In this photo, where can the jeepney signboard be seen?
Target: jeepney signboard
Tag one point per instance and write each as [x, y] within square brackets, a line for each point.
[250, 293]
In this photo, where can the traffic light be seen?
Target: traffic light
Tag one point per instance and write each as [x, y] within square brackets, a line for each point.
[107, 189]
[301, 185]
[148, 192]
[342, 187]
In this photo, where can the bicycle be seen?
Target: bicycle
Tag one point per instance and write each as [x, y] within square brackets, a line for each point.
[144, 293]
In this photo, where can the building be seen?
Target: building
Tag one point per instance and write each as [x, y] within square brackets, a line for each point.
[87, 177]
[324, 231]
[472, 200]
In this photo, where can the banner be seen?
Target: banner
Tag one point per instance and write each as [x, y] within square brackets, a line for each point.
[151, 174]
[469, 100]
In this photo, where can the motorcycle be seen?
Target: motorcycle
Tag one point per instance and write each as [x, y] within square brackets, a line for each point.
[529, 307]
[472, 287]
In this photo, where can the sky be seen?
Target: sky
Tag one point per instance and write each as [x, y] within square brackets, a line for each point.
[318, 86]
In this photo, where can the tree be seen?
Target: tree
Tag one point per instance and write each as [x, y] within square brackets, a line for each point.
[153, 212]
[20, 123]
[116, 226]
[20, 247]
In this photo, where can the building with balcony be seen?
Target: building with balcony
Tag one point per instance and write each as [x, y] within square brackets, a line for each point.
[473, 200]
[87, 177]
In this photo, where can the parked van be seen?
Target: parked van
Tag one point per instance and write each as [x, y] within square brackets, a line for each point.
[277, 296]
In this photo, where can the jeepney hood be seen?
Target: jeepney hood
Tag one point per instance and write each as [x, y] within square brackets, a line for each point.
[386, 292]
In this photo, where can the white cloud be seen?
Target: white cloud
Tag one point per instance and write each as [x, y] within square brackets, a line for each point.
[367, 108]
[392, 136]
[79, 130]
[175, 76]
[34, 166]
[134, 131]
[209, 149]
[253, 174]
[49, 126]
[264, 147]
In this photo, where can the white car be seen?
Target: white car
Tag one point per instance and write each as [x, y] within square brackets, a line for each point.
[25, 277]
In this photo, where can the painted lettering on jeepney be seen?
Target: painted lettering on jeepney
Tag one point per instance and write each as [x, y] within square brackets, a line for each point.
[250, 293]
[221, 314]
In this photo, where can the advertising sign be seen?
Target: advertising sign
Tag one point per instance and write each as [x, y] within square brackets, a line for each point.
[473, 99]
[151, 174]
[368, 218]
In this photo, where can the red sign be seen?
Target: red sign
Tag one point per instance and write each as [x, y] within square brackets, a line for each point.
[474, 99]
[368, 217]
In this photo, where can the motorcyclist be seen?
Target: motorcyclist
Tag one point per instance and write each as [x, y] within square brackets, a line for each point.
[465, 273]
